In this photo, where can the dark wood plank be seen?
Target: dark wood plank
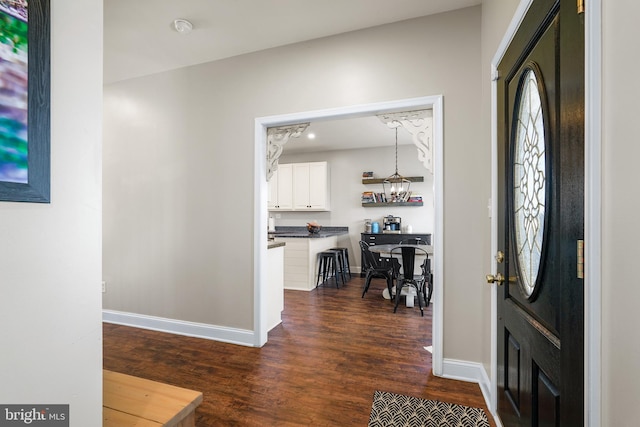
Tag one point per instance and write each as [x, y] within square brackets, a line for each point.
[381, 180]
[321, 366]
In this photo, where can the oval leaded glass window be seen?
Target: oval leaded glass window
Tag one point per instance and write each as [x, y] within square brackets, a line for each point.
[529, 181]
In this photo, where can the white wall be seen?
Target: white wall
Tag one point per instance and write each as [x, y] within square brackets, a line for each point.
[620, 207]
[179, 149]
[50, 254]
[346, 167]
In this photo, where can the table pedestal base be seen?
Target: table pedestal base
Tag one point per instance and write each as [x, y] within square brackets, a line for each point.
[408, 292]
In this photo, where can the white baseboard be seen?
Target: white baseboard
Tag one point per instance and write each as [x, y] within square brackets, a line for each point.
[470, 372]
[291, 288]
[180, 327]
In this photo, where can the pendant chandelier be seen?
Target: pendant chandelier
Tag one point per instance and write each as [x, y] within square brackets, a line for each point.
[398, 190]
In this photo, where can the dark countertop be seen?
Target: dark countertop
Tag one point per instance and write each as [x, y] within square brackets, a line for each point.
[301, 232]
[273, 244]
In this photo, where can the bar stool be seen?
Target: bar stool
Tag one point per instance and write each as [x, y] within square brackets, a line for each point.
[328, 261]
[339, 264]
[345, 266]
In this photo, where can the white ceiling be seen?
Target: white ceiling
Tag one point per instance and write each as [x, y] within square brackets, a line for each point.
[139, 40]
[347, 134]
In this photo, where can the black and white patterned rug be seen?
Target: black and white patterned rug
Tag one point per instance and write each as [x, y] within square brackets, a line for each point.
[390, 409]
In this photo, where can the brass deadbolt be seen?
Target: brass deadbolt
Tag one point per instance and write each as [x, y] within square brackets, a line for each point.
[498, 278]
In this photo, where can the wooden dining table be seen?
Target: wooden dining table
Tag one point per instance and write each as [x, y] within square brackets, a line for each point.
[385, 251]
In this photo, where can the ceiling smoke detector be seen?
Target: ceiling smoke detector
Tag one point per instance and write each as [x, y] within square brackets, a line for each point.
[182, 26]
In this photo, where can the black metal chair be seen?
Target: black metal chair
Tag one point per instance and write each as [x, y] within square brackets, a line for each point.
[408, 255]
[426, 268]
[428, 275]
[375, 266]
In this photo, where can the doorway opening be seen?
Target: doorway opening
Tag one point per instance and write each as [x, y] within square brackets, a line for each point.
[434, 103]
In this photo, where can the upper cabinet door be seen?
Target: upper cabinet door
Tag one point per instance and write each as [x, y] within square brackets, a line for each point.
[301, 186]
[272, 191]
[280, 195]
[285, 187]
[318, 186]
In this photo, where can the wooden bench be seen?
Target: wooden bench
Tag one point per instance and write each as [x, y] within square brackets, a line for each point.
[132, 401]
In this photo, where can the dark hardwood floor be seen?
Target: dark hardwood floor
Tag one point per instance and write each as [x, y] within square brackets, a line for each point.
[320, 367]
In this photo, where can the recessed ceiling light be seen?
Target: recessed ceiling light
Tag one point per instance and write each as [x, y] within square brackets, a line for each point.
[311, 136]
[182, 26]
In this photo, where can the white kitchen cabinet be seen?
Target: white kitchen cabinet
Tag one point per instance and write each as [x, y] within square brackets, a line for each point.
[311, 186]
[280, 195]
[299, 187]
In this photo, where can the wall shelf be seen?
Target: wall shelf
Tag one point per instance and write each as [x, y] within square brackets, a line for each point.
[397, 204]
[379, 180]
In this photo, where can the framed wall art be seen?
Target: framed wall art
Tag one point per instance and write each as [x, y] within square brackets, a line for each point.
[25, 101]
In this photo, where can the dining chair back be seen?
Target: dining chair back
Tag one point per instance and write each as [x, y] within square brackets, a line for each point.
[408, 255]
[376, 266]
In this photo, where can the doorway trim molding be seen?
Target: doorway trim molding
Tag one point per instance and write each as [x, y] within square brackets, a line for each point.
[592, 210]
[435, 103]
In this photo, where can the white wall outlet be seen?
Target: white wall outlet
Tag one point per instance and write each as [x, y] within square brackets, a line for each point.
[104, 286]
[278, 216]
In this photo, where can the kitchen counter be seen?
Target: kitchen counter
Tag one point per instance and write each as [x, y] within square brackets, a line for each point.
[303, 233]
[301, 253]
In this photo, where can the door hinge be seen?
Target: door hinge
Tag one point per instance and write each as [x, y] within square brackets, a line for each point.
[580, 7]
[580, 252]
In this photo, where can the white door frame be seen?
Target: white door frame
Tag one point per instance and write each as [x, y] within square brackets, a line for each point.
[592, 188]
[261, 214]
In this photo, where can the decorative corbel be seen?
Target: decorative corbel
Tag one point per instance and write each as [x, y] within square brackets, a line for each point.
[277, 137]
[419, 124]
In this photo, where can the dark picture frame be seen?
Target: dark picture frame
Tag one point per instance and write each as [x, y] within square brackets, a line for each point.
[37, 185]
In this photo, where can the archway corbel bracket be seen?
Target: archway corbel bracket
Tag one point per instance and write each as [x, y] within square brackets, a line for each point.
[277, 137]
[419, 124]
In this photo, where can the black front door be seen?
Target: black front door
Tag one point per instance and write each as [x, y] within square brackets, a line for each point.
[541, 216]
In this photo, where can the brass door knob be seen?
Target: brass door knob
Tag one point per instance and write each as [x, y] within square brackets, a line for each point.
[498, 278]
